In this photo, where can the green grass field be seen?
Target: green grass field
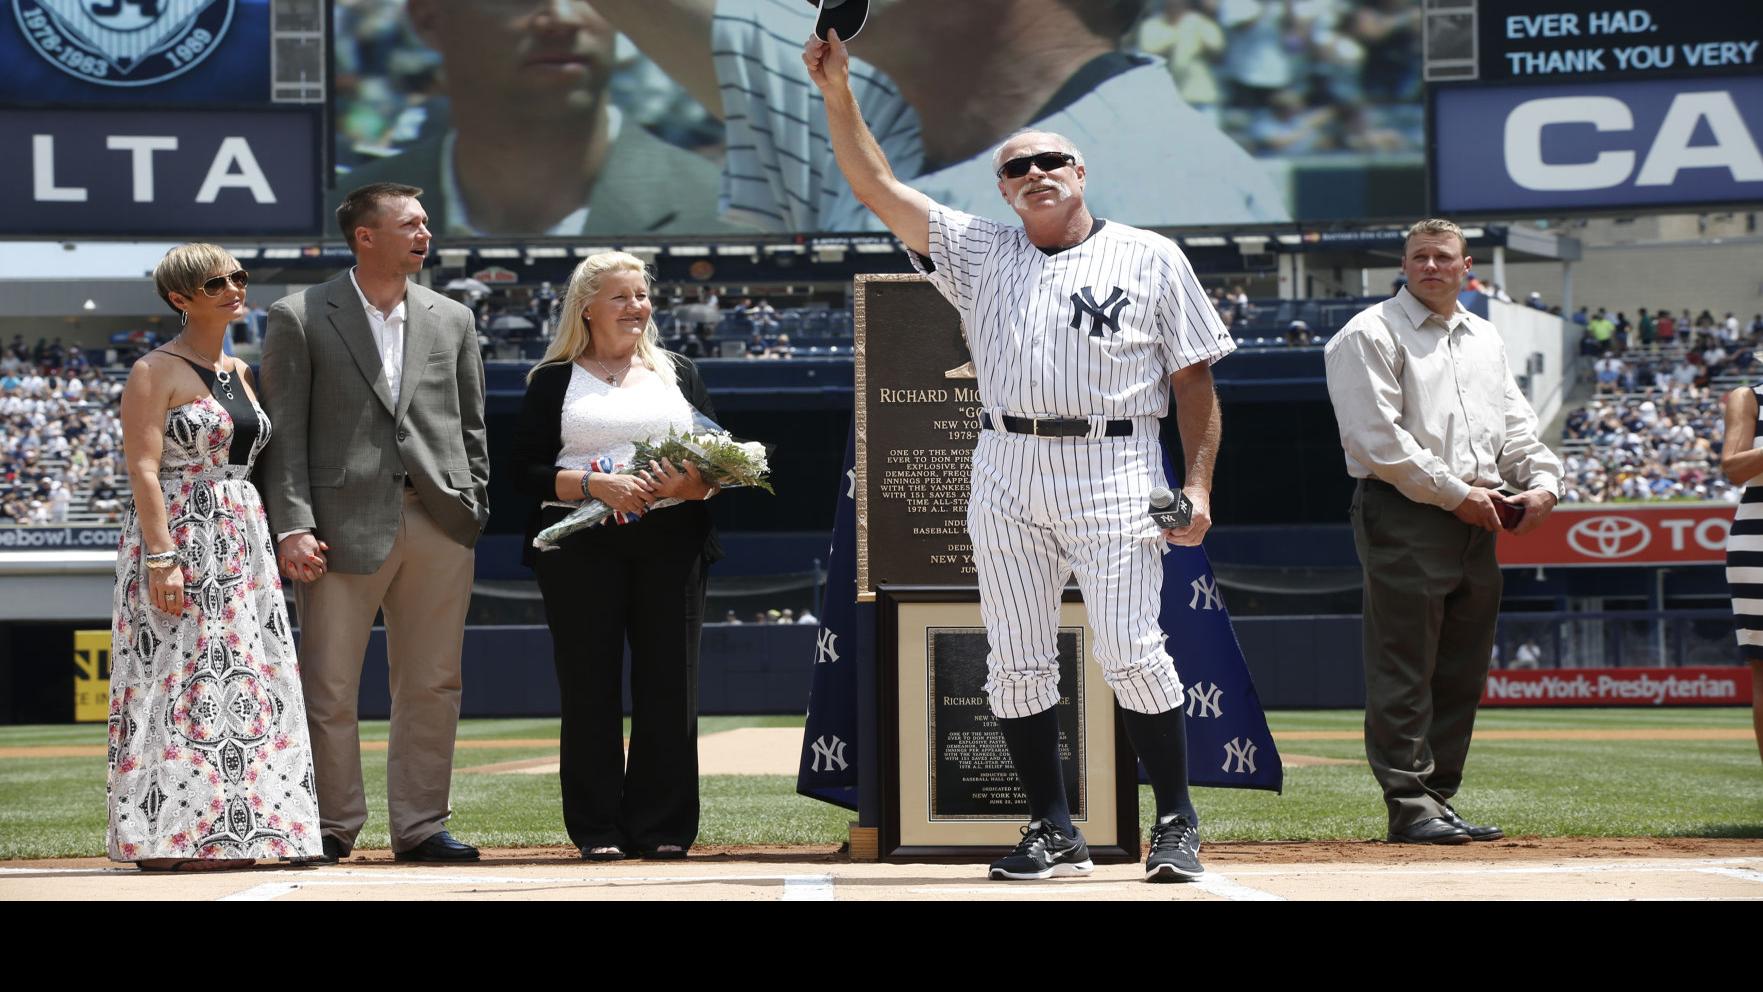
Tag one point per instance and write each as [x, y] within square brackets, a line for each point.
[54, 807]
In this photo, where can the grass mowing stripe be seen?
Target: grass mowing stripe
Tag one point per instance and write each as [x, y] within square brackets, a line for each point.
[54, 807]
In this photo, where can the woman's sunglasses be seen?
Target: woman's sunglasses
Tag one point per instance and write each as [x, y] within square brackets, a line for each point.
[239, 278]
[1016, 168]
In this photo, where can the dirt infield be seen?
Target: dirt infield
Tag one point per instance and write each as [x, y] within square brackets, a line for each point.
[1537, 868]
[778, 750]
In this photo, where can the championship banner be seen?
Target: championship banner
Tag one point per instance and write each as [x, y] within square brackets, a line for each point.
[1623, 534]
[91, 676]
[1229, 743]
[1713, 686]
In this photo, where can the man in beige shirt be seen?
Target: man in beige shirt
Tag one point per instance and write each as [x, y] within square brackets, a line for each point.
[1433, 425]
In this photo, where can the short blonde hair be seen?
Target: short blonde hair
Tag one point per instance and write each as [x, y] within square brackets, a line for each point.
[572, 339]
[185, 268]
[1436, 225]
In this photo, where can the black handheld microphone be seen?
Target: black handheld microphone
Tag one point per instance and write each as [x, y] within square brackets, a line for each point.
[1171, 511]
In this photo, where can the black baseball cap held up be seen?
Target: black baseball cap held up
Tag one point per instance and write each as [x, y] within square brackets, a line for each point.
[844, 16]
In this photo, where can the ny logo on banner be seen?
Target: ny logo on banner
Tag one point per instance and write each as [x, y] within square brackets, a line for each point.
[834, 753]
[1242, 752]
[1104, 314]
[1206, 594]
[1203, 700]
[826, 652]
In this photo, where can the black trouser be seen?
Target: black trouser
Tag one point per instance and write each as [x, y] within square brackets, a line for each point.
[1432, 594]
[644, 581]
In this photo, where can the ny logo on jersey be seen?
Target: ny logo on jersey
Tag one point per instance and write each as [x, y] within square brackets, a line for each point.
[834, 753]
[1206, 594]
[1242, 752]
[827, 651]
[1203, 700]
[1104, 314]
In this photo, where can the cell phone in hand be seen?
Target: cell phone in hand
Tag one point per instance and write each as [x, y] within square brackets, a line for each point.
[1510, 513]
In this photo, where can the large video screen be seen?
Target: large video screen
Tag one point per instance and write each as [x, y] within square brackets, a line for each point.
[524, 118]
[1599, 105]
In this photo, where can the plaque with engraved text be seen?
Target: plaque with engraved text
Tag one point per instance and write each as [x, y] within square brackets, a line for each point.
[917, 422]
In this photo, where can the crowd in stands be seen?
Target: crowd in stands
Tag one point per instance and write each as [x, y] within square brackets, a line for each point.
[60, 435]
[1654, 427]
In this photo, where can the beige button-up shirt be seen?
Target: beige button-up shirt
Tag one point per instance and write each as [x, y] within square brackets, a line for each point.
[1428, 405]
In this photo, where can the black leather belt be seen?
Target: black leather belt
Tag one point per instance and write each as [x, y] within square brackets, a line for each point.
[1055, 426]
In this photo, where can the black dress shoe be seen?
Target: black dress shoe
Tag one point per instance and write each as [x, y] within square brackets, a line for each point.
[1437, 830]
[440, 847]
[333, 853]
[1489, 832]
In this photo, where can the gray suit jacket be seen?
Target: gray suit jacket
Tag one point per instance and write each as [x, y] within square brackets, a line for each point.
[647, 186]
[341, 449]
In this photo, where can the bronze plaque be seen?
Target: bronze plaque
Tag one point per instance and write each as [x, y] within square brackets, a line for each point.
[917, 421]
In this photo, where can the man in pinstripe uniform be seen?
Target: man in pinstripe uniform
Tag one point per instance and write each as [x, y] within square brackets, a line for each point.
[1433, 425]
[1078, 327]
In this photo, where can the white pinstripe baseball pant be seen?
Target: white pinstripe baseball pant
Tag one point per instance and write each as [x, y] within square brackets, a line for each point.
[1043, 509]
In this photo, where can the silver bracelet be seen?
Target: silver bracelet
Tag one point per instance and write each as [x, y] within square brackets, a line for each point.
[585, 476]
[162, 559]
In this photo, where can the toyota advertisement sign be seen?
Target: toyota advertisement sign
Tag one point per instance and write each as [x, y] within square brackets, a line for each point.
[1640, 534]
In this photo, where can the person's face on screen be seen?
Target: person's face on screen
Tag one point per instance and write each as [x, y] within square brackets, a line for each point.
[544, 56]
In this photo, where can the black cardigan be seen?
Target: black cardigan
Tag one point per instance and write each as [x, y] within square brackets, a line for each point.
[539, 439]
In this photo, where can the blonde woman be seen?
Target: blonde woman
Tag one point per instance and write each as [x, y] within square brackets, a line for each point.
[210, 766]
[605, 384]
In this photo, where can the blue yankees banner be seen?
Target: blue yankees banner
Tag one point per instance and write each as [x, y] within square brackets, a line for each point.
[1229, 744]
[847, 639]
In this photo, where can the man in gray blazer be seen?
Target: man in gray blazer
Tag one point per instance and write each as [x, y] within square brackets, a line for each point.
[376, 488]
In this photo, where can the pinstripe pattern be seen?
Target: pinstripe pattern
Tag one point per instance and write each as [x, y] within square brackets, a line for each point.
[779, 173]
[1744, 559]
[1043, 509]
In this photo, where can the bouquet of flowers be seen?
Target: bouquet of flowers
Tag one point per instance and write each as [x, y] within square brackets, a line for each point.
[719, 458]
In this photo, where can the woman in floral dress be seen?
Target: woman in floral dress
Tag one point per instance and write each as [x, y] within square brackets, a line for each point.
[210, 766]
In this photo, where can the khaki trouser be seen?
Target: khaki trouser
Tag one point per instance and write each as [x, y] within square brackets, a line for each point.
[423, 588]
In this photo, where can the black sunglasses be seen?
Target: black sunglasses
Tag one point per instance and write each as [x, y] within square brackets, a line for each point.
[1016, 168]
[239, 278]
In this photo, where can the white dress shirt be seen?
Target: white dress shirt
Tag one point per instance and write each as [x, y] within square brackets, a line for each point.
[388, 338]
[1428, 404]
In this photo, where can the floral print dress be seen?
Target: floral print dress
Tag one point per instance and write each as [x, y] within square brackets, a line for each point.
[209, 754]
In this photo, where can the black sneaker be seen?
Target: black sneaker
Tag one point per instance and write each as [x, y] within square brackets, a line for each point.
[1044, 853]
[1175, 852]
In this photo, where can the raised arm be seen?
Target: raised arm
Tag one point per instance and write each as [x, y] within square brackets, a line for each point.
[675, 35]
[904, 210]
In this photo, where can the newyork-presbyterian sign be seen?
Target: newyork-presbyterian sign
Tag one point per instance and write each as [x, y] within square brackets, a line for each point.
[1624, 534]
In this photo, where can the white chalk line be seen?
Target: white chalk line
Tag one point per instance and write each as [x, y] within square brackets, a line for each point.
[808, 888]
[262, 893]
[1225, 888]
[1744, 873]
[1618, 867]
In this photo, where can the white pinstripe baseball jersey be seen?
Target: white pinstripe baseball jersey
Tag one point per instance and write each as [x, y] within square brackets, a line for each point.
[1092, 330]
[1166, 164]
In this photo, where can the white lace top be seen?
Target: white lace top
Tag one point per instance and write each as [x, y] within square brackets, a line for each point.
[601, 423]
